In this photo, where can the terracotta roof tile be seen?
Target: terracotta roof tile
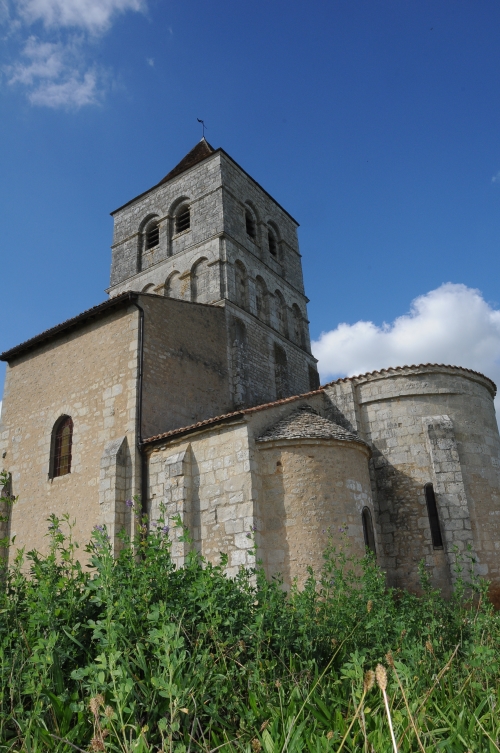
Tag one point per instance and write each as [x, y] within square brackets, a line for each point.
[228, 416]
[413, 366]
[235, 414]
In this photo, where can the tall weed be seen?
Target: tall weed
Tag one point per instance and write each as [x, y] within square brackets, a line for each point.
[133, 654]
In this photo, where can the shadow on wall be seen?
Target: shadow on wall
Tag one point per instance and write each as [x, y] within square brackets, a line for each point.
[273, 546]
[333, 413]
[405, 529]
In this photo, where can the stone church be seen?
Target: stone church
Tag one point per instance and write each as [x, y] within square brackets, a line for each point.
[194, 386]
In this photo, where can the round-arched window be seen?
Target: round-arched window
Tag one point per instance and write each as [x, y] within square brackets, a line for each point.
[182, 218]
[62, 446]
[152, 236]
[250, 224]
[273, 246]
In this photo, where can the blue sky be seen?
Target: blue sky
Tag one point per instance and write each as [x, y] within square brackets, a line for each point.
[375, 123]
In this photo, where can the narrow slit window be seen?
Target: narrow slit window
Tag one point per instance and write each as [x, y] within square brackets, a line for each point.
[183, 219]
[432, 512]
[250, 225]
[152, 237]
[62, 447]
[368, 533]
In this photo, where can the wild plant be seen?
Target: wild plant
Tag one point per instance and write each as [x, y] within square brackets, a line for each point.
[130, 653]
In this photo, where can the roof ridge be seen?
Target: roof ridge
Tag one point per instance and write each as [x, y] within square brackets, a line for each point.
[410, 366]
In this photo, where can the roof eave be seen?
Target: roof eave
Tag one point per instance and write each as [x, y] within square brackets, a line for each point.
[69, 324]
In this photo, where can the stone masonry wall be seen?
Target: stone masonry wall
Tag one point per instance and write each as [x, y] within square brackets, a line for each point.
[201, 263]
[223, 486]
[201, 186]
[259, 360]
[207, 480]
[432, 425]
[91, 375]
[185, 364]
[310, 489]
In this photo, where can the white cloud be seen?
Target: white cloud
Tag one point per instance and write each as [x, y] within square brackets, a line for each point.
[496, 178]
[4, 11]
[150, 62]
[92, 15]
[75, 91]
[55, 74]
[42, 60]
[55, 67]
[452, 324]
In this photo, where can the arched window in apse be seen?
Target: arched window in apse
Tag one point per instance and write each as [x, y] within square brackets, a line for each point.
[432, 512]
[368, 532]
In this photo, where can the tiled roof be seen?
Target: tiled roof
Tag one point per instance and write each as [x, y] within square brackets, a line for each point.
[201, 151]
[228, 416]
[306, 423]
[198, 153]
[235, 414]
[390, 369]
[49, 334]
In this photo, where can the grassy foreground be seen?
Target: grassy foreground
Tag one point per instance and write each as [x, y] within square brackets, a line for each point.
[136, 655]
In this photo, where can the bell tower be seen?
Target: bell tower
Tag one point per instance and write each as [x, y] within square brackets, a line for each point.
[208, 233]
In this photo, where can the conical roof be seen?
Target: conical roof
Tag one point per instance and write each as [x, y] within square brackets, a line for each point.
[198, 153]
[306, 423]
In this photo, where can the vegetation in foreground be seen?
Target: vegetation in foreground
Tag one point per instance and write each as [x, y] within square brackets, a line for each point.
[136, 655]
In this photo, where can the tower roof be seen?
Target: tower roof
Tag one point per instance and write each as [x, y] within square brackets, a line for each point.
[198, 153]
[306, 423]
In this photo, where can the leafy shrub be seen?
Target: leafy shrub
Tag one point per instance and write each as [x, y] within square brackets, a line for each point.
[134, 654]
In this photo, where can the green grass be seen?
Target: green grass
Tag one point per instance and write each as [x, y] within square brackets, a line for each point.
[133, 654]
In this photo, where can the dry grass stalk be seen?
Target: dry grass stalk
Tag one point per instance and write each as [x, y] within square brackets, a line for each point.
[360, 705]
[381, 676]
[390, 661]
[436, 681]
[368, 683]
[487, 735]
